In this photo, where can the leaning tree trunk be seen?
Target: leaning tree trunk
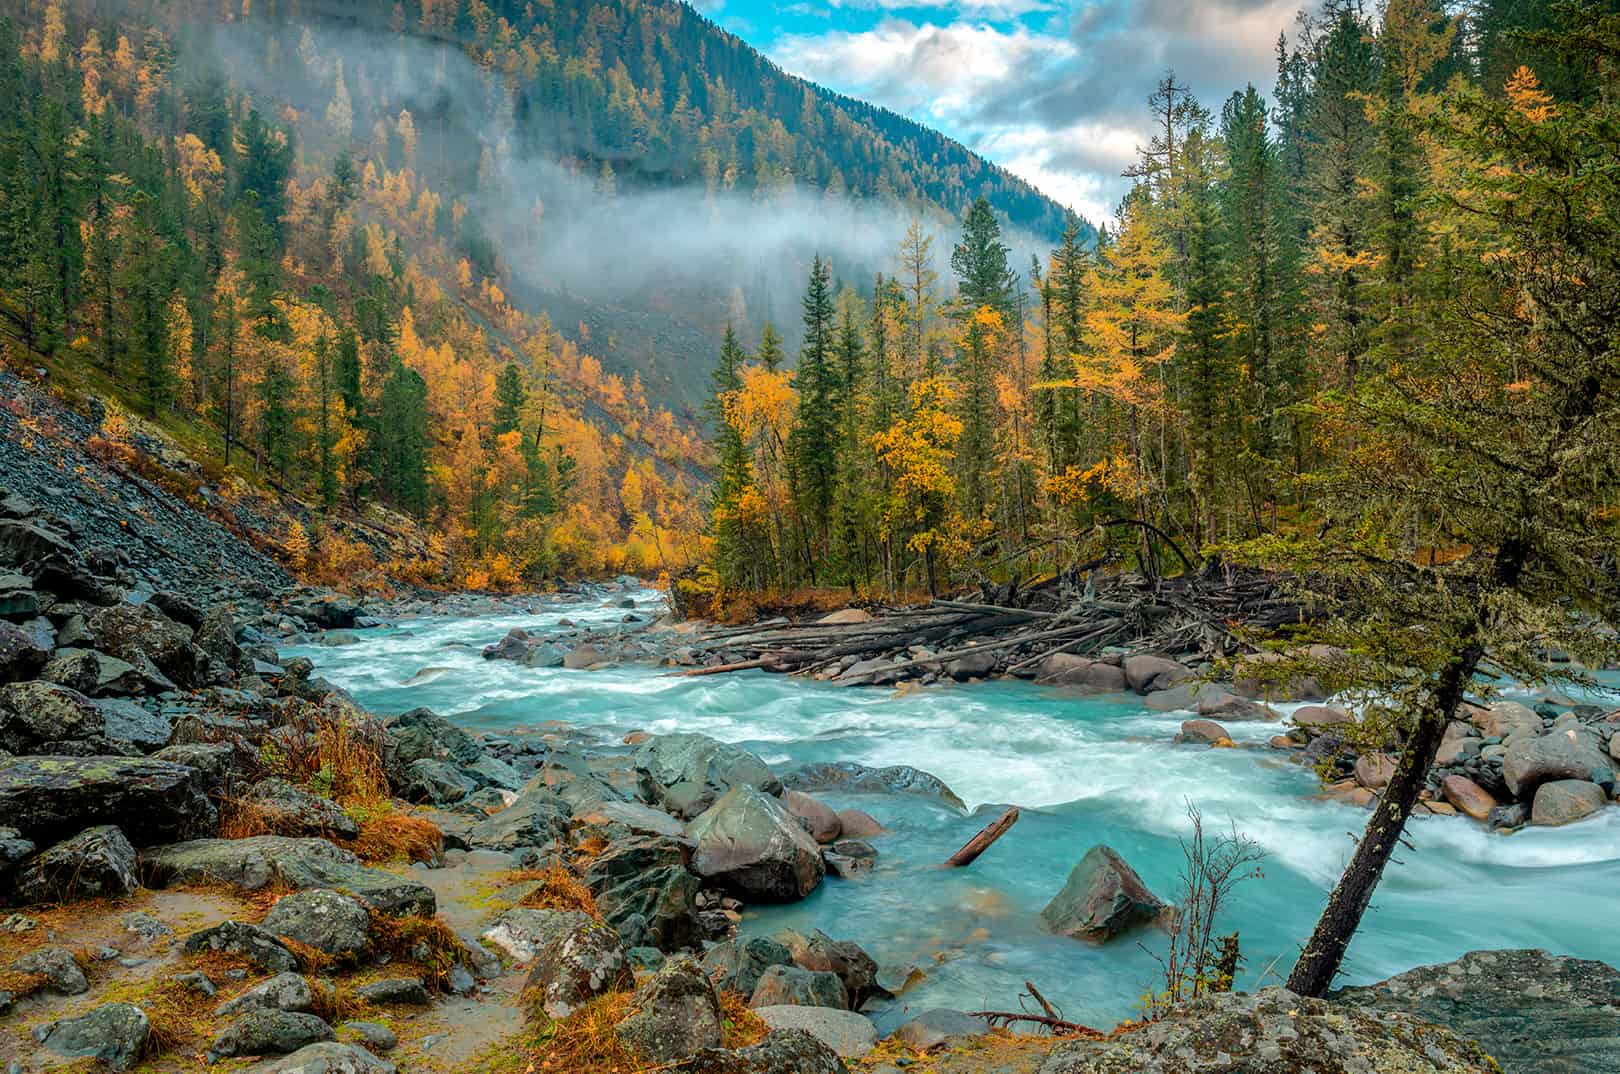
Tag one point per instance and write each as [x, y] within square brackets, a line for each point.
[1319, 963]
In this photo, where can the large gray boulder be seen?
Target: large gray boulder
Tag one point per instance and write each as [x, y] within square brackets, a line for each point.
[537, 819]
[737, 965]
[849, 1034]
[747, 843]
[644, 890]
[1563, 801]
[845, 959]
[329, 1057]
[50, 798]
[582, 959]
[676, 1013]
[246, 940]
[847, 777]
[269, 1032]
[685, 774]
[522, 933]
[127, 722]
[283, 992]
[99, 675]
[114, 1034]
[139, 632]
[792, 986]
[1270, 1032]
[35, 714]
[251, 864]
[98, 861]
[1535, 1013]
[1067, 669]
[1570, 753]
[330, 922]
[290, 810]
[1102, 898]
[59, 968]
[785, 1051]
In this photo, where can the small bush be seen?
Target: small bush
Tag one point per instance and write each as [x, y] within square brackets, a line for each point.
[559, 889]
[387, 835]
[425, 942]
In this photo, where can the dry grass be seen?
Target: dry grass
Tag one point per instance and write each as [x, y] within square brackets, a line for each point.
[22, 985]
[424, 942]
[388, 835]
[240, 818]
[584, 1042]
[181, 1018]
[311, 960]
[336, 1002]
[591, 846]
[335, 750]
[559, 889]
[740, 1026]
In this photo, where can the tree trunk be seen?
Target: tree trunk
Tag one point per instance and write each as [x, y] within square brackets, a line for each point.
[981, 842]
[1319, 963]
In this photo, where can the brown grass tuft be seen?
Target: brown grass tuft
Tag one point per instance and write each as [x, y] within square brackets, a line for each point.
[740, 1025]
[591, 846]
[425, 942]
[559, 889]
[311, 960]
[240, 818]
[584, 1042]
[335, 1002]
[22, 985]
[387, 835]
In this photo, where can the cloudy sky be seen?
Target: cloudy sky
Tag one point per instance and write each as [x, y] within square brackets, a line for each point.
[1055, 90]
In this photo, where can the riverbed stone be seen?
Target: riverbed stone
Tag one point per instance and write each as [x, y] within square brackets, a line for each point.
[748, 843]
[1572, 753]
[1224, 706]
[1320, 717]
[247, 940]
[784, 1051]
[1067, 669]
[1504, 719]
[1102, 897]
[816, 951]
[1206, 732]
[537, 818]
[676, 1013]
[62, 973]
[113, 1033]
[848, 777]
[687, 773]
[269, 1032]
[21, 654]
[849, 1034]
[35, 713]
[1274, 1030]
[644, 890]
[330, 922]
[858, 824]
[818, 818]
[1468, 796]
[579, 959]
[151, 801]
[938, 1027]
[1375, 770]
[396, 991]
[737, 965]
[97, 862]
[1148, 674]
[290, 810]
[262, 860]
[1535, 1012]
[283, 992]
[781, 986]
[1563, 801]
[329, 1057]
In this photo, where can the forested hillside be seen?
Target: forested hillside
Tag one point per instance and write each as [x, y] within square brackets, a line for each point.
[1229, 362]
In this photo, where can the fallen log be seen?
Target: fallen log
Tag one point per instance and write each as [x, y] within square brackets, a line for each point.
[981, 842]
[1057, 1026]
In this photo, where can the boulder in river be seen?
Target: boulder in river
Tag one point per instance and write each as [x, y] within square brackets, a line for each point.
[858, 824]
[845, 959]
[686, 773]
[1207, 732]
[737, 964]
[818, 818]
[1571, 753]
[847, 777]
[1147, 674]
[1066, 669]
[1562, 801]
[1468, 796]
[748, 843]
[97, 862]
[50, 798]
[644, 889]
[1102, 898]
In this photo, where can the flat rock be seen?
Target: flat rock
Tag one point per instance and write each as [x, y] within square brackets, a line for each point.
[151, 801]
[847, 777]
[114, 1034]
[849, 1034]
[687, 773]
[251, 864]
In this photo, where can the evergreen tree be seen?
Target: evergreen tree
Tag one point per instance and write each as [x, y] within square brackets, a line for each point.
[979, 260]
[814, 443]
[402, 439]
[510, 395]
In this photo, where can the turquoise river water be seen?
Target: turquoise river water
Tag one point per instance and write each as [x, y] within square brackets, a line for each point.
[1085, 769]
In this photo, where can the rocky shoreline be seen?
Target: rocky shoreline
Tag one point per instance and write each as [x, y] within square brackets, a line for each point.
[210, 855]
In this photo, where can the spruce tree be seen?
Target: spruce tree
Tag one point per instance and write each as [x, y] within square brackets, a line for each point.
[814, 442]
[510, 395]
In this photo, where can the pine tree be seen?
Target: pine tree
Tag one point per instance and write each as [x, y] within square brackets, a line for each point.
[814, 443]
[402, 439]
[979, 260]
[770, 347]
[510, 395]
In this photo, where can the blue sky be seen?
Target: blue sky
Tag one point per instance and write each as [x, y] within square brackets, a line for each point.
[1053, 90]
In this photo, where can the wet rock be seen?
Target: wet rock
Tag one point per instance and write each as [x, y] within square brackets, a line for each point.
[737, 965]
[269, 1032]
[1066, 669]
[373, 1035]
[61, 970]
[331, 1058]
[251, 864]
[21, 655]
[1273, 1030]
[616, 819]
[17, 597]
[847, 777]
[98, 861]
[522, 933]
[34, 713]
[1563, 801]
[1220, 705]
[818, 819]
[749, 844]
[151, 801]
[537, 818]
[1505, 719]
[1460, 743]
[1321, 717]
[845, 959]
[676, 1013]
[125, 721]
[1375, 770]
[423, 733]
[785, 1051]
[585, 656]
[782, 986]
[1102, 898]
[291, 810]
[1206, 732]
[325, 920]
[249, 941]
[114, 1034]
[856, 824]
[644, 890]
[972, 666]
[428, 780]
[581, 959]
[324, 609]
[216, 636]
[397, 991]
[1149, 674]
[937, 1027]
[687, 773]
[99, 675]
[1534, 1012]
[849, 1034]
[283, 992]
[1567, 754]
[1468, 796]
[139, 632]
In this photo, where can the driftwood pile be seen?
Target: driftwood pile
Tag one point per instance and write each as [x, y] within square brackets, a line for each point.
[1199, 614]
